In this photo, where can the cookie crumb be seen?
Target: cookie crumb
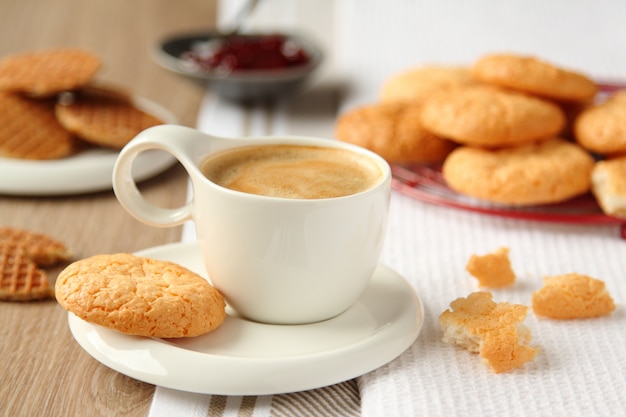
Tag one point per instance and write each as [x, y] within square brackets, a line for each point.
[572, 296]
[493, 269]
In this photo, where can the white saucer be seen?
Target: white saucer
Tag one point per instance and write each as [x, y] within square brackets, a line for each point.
[87, 171]
[247, 358]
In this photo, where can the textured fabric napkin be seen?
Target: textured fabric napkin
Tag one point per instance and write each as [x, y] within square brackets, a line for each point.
[581, 367]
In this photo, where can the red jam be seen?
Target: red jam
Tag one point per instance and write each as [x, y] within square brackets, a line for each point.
[249, 52]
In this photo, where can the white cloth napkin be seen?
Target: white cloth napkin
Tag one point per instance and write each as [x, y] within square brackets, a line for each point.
[581, 368]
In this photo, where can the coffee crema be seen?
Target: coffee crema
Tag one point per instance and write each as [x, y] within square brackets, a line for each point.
[292, 171]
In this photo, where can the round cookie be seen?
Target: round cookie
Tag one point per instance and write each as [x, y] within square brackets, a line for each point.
[30, 130]
[418, 84]
[48, 72]
[104, 117]
[140, 296]
[602, 128]
[490, 117]
[538, 173]
[394, 131]
[531, 75]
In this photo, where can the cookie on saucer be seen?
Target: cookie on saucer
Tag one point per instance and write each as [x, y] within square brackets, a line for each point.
[140, 296]
[534, 76]
[543, 172]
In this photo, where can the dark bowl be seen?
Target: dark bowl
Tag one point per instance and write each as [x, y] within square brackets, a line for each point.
[239, 85]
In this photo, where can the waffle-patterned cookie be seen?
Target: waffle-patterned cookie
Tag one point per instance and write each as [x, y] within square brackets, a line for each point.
[101, 118]
[47, 72]
[20, 278]
[40, 248]
[30, 130]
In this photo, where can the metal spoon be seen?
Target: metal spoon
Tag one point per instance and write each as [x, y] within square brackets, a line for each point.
[241, 17]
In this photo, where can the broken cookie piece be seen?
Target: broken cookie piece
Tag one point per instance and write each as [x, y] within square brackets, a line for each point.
[493, 330]
[572, 296]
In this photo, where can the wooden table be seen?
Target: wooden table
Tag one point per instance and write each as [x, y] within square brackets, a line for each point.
[43, 371]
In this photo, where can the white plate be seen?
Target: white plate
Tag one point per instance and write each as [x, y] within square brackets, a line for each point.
[87, 171]
[247, 358]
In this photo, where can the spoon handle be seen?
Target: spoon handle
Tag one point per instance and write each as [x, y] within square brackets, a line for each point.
[241, 16]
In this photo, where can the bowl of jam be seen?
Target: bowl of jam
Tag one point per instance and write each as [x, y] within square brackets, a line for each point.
[243, 67]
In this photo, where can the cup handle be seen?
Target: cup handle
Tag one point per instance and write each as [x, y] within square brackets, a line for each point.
[176, 140]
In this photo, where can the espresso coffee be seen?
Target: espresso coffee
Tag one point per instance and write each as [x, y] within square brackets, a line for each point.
[292, 171]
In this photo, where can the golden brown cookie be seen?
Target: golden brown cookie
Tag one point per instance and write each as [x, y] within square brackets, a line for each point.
[30, 130]
[47, 72]
[544, 172]
[572, 296]
[492, 269]
[140, 296]
[20, 278]
[418, 84]
[602, 128]
[40, 248]
[394, 131]
[487, 116]
[608, 184]
[101, 118]
[493, 330]
[534, 76]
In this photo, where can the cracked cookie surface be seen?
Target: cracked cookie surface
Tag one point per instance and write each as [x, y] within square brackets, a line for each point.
[140, 296]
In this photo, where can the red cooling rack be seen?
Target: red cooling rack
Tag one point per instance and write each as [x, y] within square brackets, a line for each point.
[426, 183]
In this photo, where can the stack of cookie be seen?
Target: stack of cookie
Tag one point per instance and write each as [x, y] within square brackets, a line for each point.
[23, 254]
[50, 108]
[501, 130]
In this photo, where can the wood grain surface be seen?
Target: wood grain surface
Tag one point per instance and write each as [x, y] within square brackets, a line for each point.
[43, 371]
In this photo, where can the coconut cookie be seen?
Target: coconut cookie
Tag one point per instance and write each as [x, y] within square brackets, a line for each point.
[493, 330]
[539, 173]
[534, 76]
[48, 72]
[608, 184]
[602, 128]
[489, 117]
[572, 296]
[394, 131]
[418, 84]
[140, 296]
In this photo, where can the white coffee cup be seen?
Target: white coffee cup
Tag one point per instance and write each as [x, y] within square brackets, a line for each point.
[276, 260]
